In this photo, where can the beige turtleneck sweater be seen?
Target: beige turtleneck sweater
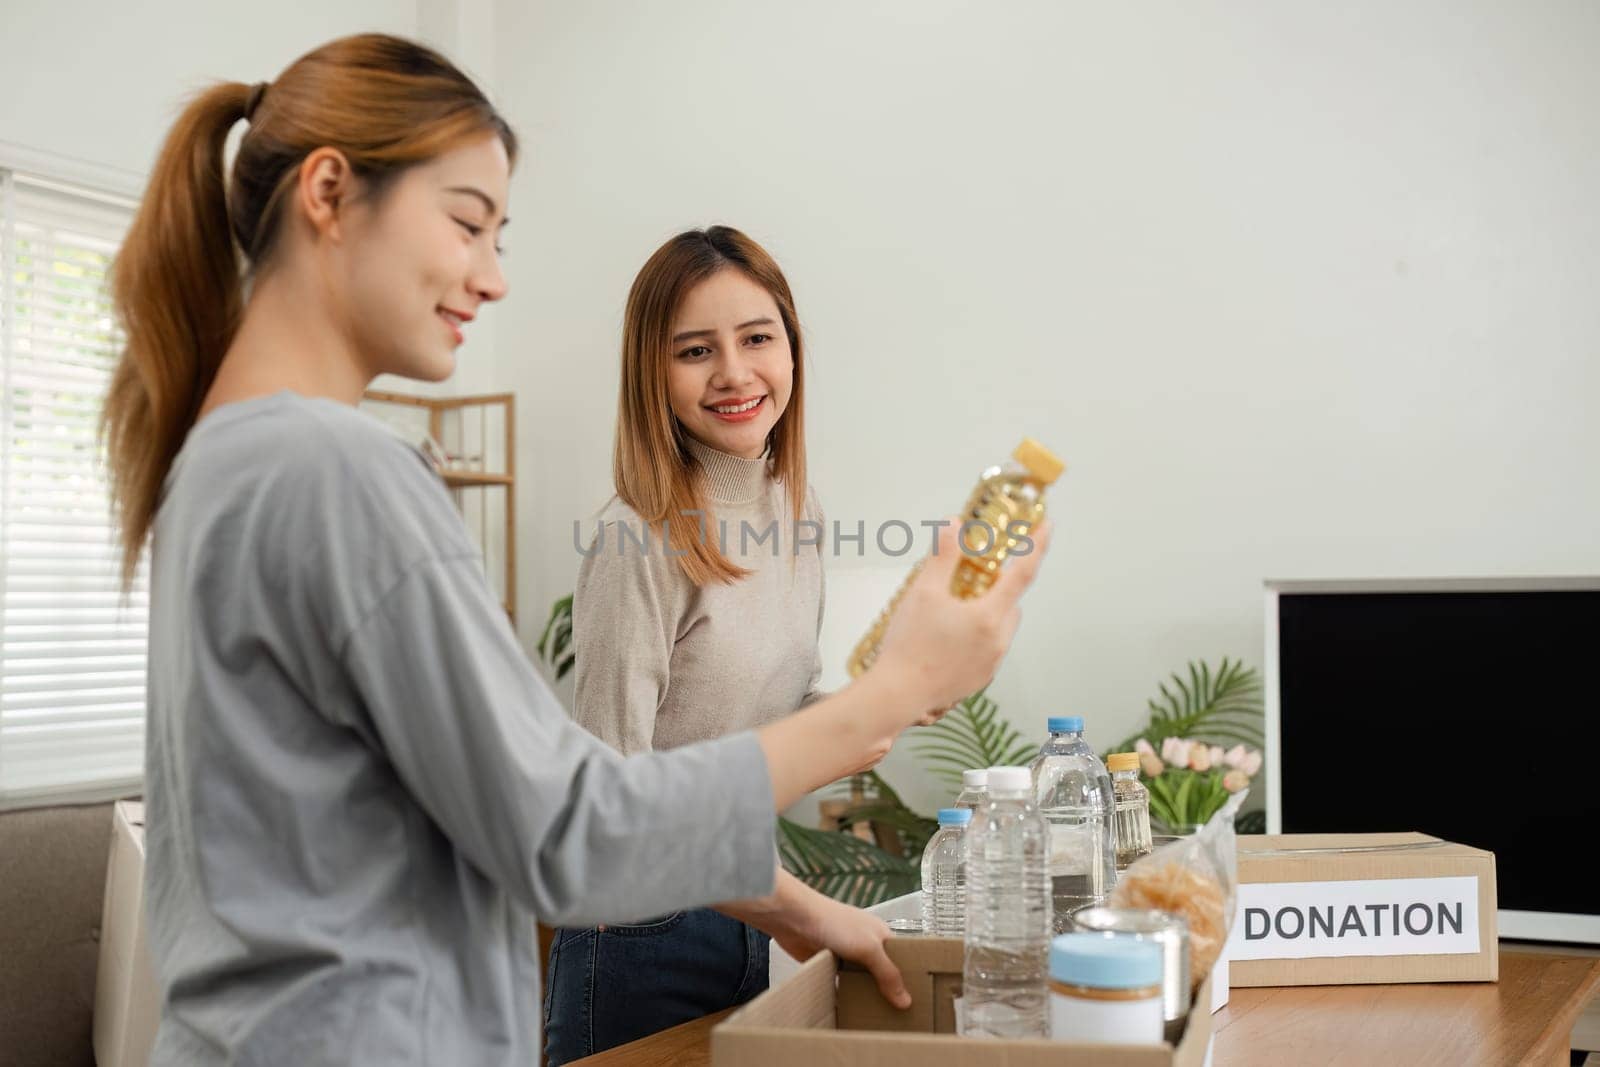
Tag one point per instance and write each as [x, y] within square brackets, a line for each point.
[661, 663]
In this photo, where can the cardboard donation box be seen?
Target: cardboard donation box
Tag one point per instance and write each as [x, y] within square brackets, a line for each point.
[127, 1001]
[1342, 909]
[831, 1013]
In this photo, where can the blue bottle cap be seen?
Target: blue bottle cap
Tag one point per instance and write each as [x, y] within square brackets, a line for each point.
[1102, 962]
[1065, 724]
[955, 816]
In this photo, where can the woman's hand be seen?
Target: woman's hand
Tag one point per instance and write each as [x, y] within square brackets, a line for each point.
[855, 935]
[803, 922]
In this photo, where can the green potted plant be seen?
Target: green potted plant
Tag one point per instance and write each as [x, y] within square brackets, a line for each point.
[1208, 727]
[864, 873]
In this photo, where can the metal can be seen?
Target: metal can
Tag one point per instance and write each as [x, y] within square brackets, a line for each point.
[1165, 929]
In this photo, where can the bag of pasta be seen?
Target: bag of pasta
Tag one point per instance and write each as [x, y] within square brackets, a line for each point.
[1195, 878]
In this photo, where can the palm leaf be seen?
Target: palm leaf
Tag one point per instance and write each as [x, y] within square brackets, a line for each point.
[912, 830]
[883, 807]
[1215, 706]
[555, 643]
[844, 867]
[881, 788]
[973, 735]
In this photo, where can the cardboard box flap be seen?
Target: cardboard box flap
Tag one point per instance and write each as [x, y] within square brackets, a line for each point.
[757, 1034]
[931, 968]
[1351, 844]
[809, 1004]
[1316, 857]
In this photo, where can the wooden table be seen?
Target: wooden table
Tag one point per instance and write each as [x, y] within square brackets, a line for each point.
[1525, 1018]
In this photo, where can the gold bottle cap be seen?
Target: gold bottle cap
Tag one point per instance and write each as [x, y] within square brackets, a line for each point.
[1039, 460]
[1122, 761]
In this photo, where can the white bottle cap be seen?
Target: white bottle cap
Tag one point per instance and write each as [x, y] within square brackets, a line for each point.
[1010, 780]
[975, 779]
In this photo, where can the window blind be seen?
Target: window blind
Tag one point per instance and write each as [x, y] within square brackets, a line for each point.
[72, 644]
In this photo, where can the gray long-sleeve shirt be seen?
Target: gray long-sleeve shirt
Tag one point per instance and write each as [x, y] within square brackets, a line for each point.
[360, 794]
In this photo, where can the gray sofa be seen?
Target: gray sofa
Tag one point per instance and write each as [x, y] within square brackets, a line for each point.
[52, 890]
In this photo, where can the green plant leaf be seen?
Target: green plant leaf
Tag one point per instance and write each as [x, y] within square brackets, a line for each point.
[913, 830]
[881, 806]
[1218, 705]
[555, 641]
[842, 866]
[872, 783]
[560, 611]
[972, 735]
[1161, 800]
[1180, 804]
[1213, 798]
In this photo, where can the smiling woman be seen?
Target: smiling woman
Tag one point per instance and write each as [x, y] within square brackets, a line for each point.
[371, 155]
[713, 634]
[711, 329]
[732, 367]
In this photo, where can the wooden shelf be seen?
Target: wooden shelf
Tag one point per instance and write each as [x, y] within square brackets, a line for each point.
[447, 418]
[471, 479]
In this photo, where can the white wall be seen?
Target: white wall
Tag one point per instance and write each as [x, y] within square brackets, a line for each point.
[101, 81]
[1297, 289]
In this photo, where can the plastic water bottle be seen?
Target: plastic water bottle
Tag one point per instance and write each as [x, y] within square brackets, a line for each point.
[944, 875]
[1008, 913]
[1073, 791]
[974, 790]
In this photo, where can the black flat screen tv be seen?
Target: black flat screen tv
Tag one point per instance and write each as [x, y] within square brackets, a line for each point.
[1466, 709]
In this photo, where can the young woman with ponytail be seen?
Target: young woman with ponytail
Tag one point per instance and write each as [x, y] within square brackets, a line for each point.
[360, 795]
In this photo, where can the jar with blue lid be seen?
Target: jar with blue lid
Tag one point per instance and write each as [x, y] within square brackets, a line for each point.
[1105, 990]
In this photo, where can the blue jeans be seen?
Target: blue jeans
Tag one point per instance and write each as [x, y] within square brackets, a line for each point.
[618, 983]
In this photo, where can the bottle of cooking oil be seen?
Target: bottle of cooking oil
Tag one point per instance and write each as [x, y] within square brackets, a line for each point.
[1007, 504]
[1133, 808]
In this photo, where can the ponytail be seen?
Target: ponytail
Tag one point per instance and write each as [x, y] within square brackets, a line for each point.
[386, 103]
[176, 288]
